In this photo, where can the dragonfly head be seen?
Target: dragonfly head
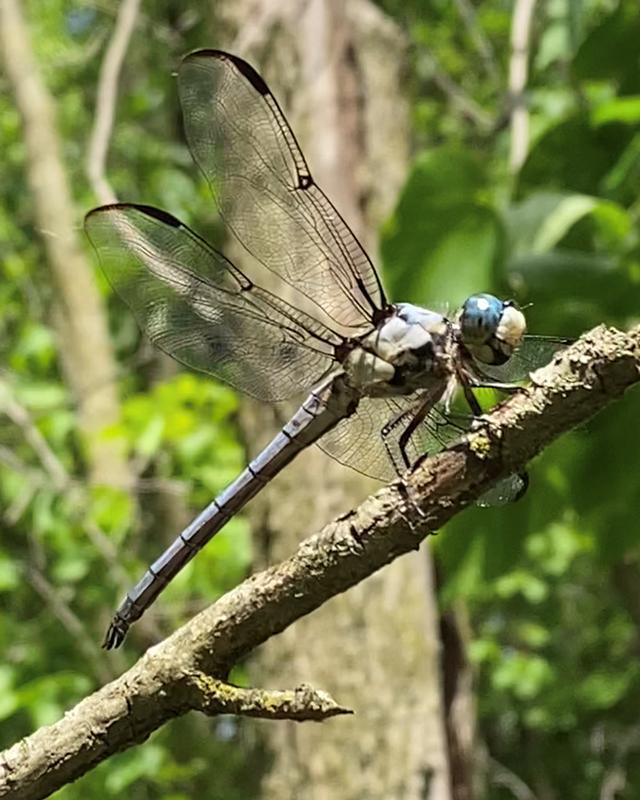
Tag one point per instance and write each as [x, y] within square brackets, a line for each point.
[491, 329]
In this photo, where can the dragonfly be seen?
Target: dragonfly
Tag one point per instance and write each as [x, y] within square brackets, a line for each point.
[379, 376]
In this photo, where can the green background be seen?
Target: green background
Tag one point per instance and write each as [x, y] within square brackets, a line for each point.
[550, 584]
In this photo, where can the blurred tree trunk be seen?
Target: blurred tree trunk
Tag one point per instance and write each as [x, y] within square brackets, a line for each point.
[337, 69]
[467, 769]
[78, 318]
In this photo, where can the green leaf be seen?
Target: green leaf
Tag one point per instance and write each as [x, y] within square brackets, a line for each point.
[619, 109]
[603, 689]
[144, 763]
[9, 574]
[9, 700]
[443, 240]
[522, 674]
[610, 50]
[556, 225]
[539, 223]
[572, 156]
[148, 442]
[522, 582]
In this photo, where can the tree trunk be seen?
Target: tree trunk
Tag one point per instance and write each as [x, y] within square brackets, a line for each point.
[79, 318]
[337, 69]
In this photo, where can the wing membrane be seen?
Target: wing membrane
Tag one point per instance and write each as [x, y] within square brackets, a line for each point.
[533, 353]
[358, 441]
[264, 191]
[199, 308]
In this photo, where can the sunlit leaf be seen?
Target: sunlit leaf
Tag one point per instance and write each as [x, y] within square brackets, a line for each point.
[444, 240]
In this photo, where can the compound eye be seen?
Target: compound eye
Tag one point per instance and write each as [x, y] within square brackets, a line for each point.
[491, 329]
[480, 318]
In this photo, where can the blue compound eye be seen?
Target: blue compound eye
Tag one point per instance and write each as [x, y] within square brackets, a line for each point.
[480, 318]
[491, 329]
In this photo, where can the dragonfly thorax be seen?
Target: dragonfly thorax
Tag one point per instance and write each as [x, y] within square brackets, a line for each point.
[408, 350]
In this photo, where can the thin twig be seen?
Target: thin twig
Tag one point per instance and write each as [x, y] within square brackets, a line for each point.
[482, 43]
[106, 100]
[518, 74]
[70, 621]
[503, 776]
[213, 697]
[457, 95]
[22, 419]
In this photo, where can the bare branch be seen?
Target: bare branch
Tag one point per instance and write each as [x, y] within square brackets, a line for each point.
[79, 319]
[503, 776]
[482, 43]
[518, 73]
[581, 381]
[106, 100]
[22, 419]
[71, 622]
[459, 98]
[614, 783]
[304, 703]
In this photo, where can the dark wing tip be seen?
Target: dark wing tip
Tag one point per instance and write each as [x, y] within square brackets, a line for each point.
[157, 213]
[150, 211]
[243, 67]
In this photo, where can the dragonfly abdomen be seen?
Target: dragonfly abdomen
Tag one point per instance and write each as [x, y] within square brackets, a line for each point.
[320, 412]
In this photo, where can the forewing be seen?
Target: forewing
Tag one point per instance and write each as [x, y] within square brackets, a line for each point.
[199, 308]
[533, 353]
[257, 173]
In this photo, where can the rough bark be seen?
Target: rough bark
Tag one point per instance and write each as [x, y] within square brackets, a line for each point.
[79, 317]
[187, 670]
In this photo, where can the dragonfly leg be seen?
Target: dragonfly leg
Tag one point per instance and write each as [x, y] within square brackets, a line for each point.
[416, 418]
[462, 426]
[507, 388]
[407, 433]
[386, 432]
[469, 396]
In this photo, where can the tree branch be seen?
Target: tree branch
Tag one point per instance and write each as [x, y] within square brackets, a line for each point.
[79, 319]
[161, 685]
[21, 418]
[482, 43]
[58, 606]
[106, 100]
[304, 703]
[518, 74]
[458, 97]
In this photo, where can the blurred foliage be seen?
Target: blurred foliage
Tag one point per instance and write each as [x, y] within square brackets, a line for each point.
[550, 583]
[69, 552]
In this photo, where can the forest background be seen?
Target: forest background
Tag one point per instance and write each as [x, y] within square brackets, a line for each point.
[511, 163]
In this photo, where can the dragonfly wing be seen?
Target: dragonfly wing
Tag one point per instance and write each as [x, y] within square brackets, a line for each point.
[506, 490]
[533, 353]
[199, 308]
[242, 143]
[359, 442]
[369, 440]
